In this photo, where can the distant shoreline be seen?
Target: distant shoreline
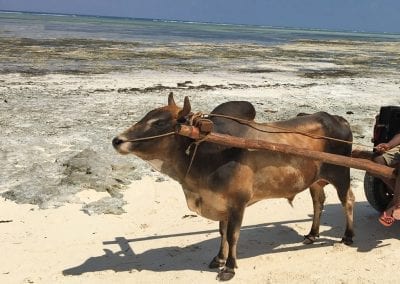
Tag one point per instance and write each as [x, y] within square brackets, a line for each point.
[363, 33]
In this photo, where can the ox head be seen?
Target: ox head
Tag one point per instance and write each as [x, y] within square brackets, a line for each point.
[155, 124]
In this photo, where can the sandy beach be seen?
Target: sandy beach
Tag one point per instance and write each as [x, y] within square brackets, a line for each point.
[74, 211]
[158, 239]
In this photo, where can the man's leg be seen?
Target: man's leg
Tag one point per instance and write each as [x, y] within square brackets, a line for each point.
[387, 218]
[396, 196]
[389, 182]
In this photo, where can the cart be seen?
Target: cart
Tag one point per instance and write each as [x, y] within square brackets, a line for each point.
[386, 126]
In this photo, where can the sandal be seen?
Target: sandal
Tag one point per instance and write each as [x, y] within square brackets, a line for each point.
[386, 220]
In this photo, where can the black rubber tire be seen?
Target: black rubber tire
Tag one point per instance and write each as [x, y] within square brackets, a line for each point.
[377, 193]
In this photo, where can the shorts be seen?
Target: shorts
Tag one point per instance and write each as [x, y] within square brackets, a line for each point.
[392, 157]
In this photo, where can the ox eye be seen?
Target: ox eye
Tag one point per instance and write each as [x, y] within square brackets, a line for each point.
[160, 123]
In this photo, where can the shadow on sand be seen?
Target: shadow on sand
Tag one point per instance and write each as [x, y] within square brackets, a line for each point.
[255, 240]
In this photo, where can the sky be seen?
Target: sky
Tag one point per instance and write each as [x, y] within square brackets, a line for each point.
[349, 15]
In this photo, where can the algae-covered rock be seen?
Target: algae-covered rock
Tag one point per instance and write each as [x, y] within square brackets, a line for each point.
[106, 205]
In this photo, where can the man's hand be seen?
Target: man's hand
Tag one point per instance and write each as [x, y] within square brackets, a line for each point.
[382, 148]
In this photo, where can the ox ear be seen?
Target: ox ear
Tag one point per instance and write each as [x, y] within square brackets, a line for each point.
[171, 101]
[186, 108]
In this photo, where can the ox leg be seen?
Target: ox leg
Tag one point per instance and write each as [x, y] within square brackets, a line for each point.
[220, 259]
[347, 199]
[318, 198]
[233, 232]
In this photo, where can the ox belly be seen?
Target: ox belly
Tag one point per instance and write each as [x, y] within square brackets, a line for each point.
[283, 181]
[207, 204]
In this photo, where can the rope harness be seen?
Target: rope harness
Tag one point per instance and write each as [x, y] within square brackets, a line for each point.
[152, 137]
[286, 130]
[202, 121]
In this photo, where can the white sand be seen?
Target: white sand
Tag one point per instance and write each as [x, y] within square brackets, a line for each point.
[154, 242]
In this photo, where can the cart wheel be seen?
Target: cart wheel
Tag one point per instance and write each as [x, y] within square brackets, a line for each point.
[377, 193]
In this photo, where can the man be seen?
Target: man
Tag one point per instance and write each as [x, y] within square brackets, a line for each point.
[390, 156]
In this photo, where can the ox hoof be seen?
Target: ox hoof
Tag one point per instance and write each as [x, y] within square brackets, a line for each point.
[226, 274]
[309, 239]
[216, 263]
[348, 241]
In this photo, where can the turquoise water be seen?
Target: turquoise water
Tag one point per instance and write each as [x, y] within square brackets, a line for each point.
[40, 26]
[39, 44]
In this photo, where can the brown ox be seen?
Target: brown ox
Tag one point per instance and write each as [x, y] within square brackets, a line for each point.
[223, 181]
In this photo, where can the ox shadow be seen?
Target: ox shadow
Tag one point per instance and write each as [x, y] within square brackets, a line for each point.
[369, 233]
[254, 241]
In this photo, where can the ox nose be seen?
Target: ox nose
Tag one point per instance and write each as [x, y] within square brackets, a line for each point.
[116, 142]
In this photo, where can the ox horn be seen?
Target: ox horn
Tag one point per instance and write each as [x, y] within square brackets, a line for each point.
[171, 101]
[186, 108]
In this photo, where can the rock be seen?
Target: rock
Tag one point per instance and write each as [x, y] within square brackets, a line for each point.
[87, 169]
[106, 205]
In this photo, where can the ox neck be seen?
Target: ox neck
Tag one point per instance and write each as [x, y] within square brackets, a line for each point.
[176, 162]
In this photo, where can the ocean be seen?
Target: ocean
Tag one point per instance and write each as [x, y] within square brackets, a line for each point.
[91, 44]
[42, 26]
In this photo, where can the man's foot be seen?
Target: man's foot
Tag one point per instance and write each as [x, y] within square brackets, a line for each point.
[396, 212]
[386, 220]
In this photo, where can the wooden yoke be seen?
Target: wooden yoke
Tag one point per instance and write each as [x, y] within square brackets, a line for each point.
[238, 142]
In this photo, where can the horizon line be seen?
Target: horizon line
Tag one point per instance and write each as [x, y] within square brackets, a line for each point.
[199, 22]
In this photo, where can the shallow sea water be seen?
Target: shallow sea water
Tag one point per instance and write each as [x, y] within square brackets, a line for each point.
[38, 44]
[65, 90]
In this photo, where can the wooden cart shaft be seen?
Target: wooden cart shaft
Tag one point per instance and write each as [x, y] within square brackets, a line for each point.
[239, 142]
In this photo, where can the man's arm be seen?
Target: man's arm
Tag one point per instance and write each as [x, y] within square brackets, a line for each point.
[395, 141]
[383, 147]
